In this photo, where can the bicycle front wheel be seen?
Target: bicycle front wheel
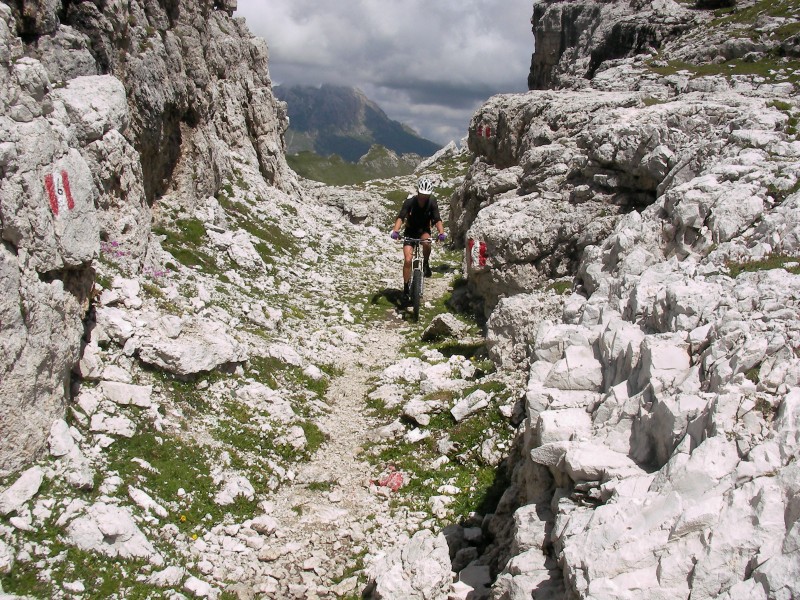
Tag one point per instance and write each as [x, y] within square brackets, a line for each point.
[416, 292]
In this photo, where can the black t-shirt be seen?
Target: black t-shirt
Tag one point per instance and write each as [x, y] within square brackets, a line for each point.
[419, 218]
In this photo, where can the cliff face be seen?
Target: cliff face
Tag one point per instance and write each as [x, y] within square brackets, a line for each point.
[574, 38]
[105, 110]
[659, 184]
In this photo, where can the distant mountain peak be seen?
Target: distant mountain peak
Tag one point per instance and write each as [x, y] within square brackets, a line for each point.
[334, 119]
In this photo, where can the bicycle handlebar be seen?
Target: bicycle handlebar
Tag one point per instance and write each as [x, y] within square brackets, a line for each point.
[418, 240]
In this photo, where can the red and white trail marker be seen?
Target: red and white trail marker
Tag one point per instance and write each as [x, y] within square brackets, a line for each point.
[477, 254]
[57, 185]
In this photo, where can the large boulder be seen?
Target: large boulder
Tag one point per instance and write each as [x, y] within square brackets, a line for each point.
[201, 346]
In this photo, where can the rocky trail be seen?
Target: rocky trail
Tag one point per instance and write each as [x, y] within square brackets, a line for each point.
[335, 509]
[278, 429]
[205, 380]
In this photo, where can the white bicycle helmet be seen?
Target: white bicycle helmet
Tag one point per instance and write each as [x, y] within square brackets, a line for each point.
[425, 186]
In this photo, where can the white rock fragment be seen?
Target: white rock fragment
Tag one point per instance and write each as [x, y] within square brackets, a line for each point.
[112, 425]
[475, 402]
[167, 578]
[198, 588]
[76, 587]
[13, 498]
[7, 558]
[276, 406]
[418, 568]
[110, 530]
[146, 503]
[264, 524]
[286, 354]
[60, 439]
[125, 394]
[234, 486]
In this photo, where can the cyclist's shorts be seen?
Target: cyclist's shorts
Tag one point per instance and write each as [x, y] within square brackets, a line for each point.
[414, 233]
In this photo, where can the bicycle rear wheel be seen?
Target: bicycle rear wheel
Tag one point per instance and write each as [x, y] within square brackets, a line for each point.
[416, 292]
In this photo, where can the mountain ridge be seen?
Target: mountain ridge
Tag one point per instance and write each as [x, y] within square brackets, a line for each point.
[332, 119]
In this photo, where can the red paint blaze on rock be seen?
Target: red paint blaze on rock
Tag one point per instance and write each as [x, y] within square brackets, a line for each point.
[58, 191]
[477, 254]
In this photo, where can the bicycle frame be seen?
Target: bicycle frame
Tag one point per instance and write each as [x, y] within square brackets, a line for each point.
[417, 276]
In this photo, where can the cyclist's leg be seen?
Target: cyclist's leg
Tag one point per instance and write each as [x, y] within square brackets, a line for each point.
[426, 253]
[408, 255]
[426, 248]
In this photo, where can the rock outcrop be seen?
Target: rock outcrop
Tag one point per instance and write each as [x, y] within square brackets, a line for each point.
[104, 112]
[575, 39]
[657, 459]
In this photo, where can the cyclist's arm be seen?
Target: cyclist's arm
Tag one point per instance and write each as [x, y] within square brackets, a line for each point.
[401, 216]
[436, 218]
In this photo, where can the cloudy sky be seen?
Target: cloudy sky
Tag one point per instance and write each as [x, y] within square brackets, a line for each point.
[427, 64]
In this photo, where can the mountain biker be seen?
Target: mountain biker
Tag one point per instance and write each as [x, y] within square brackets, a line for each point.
[420, 211]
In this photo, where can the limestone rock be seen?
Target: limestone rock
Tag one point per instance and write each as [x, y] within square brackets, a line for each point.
[169, 577]
[110, 530]
[419, 570]
[94, 105]
[60, 439]
[7, 558]
[276, 406]
[21, 491]
[233, 487]
[578, 370]
[475, 402]
[201, 346]
[144, 501]
[443, 326]
[124, 394]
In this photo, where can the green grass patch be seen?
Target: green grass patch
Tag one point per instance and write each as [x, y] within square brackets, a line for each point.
[334, 170]
[560, 287]
[177, 465]
[314, 436]
[320, 486]
[467, 349]
[775, 261]
[396, 199]
[271, 233]
[791, 115]
[232, 206]
[314, 440]
[235, 434]
[770, 69]
[192, 231]
[185, 240]
[481, 485]
[103, 280]
[748, 15]
[185, 391]
[103, 577]
[152, 290]
[455, 166]
[275, 374]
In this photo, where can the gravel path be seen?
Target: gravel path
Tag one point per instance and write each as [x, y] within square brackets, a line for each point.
[332, 515]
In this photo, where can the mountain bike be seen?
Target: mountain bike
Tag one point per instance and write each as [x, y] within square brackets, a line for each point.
[417, 276]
